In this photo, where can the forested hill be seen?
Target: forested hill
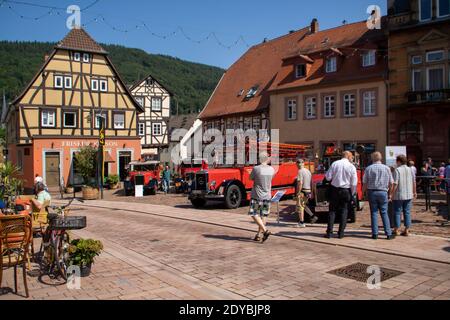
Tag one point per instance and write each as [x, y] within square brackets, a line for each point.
[191, 83]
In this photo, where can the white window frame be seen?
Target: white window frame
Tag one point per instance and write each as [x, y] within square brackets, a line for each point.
[347, 99]
[160, 105]
[114, 120]
[68, 82]
[141, 129]
[154, 125]
[310, 104]
[420, 11]
[60, 78]
[291, 105]
[331, 65]
[86, 57]
[372, 100]
[100, 115]
[432, 52]
[94, 84]
[438, 9]
[329, 103]
[442, 67]
[53, 117]
[74, 121]
[297, 75]
[416, 56]
[141, 98]
[76, 56]
[413, 78]
[103, 85]
[369, 58]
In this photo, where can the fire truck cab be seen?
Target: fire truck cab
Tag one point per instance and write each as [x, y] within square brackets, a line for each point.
[146, 173]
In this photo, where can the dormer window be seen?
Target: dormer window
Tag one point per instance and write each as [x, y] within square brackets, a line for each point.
[86, 57]
[368, 58]
[76, 56]
[331, 65]
[300, 70]
[252, 92]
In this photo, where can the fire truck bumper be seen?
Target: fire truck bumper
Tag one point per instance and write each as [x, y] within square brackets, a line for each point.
[205, 195]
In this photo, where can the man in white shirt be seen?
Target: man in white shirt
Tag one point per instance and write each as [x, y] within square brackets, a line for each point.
[344, 181]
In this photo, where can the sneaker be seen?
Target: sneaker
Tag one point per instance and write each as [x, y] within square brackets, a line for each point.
[314, 219]
[405, 233]
[301, 225]
[374, 236]
[341, 236]
[391, 237]
[327, 235]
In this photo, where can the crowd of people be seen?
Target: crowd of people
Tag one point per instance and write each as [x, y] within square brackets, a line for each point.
[385, 188]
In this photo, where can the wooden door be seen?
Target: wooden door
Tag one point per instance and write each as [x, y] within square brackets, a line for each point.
[52, 169]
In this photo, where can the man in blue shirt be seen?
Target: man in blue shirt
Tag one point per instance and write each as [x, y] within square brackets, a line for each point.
[377, 183]
[166, 179]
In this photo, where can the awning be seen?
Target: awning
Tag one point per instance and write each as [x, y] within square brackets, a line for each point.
[107, 157]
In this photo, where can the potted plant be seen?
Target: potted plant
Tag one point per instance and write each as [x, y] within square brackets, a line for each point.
[83, 252]
[86, 160]
[113, 181]
[69, 189]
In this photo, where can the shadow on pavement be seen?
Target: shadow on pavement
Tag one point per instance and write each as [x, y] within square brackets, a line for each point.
[225, 237]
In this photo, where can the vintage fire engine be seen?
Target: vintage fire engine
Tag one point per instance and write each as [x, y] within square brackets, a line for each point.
[146, 173]
[186, 173]
[232, 185]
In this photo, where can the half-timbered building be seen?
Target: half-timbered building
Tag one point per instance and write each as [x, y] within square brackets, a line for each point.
[154, 98]
[62, 108]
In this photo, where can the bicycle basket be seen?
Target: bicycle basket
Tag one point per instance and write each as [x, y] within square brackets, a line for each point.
[68, 223]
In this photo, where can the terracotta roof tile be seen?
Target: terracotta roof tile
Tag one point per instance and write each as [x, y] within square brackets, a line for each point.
[257, 67]
[79, 39]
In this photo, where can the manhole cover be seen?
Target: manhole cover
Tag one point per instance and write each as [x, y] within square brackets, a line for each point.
[359, 272]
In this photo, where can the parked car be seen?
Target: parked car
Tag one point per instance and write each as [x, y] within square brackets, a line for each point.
[146, 173]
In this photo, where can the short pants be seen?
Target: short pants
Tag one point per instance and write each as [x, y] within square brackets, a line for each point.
[259, 207]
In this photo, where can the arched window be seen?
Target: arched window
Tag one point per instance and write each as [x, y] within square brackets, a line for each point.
[411, 131]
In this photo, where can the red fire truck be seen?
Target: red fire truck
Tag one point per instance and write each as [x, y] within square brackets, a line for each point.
[146, 173]
[186, 172]
[232, 185]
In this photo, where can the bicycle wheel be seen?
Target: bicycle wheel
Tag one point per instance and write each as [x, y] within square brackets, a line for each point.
[63, 254]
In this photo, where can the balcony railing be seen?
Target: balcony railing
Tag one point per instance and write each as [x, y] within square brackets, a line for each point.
[442, 95]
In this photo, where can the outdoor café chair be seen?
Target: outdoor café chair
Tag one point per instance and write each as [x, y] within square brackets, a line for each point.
[15, 237]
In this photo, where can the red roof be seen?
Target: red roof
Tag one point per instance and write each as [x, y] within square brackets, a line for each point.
[270, 66]
[257, 67]
[78, 39]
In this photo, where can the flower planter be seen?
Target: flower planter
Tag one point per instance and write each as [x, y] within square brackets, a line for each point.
[114, 186]
[85, 271]
[90, 193]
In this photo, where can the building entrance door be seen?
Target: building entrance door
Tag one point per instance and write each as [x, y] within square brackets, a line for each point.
[124, 160]
[52, 163]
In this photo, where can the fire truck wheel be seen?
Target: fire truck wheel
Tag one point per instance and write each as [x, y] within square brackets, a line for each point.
[233, 197]
[198, 202]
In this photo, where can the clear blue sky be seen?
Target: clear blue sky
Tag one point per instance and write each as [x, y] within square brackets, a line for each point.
[228, 19]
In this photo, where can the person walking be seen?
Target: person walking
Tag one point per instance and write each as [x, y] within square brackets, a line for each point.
[403, 192]
[344, 180]
[261, 195]
[441, 175]
[377, 184]
[304, 187]
[166, 179]
[411, 164]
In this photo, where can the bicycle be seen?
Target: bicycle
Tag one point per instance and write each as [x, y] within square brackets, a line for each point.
[56, 242]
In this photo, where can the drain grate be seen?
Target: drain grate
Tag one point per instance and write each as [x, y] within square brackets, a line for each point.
[358, 272]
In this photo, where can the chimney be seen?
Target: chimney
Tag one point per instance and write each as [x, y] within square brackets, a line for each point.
[314, 26]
